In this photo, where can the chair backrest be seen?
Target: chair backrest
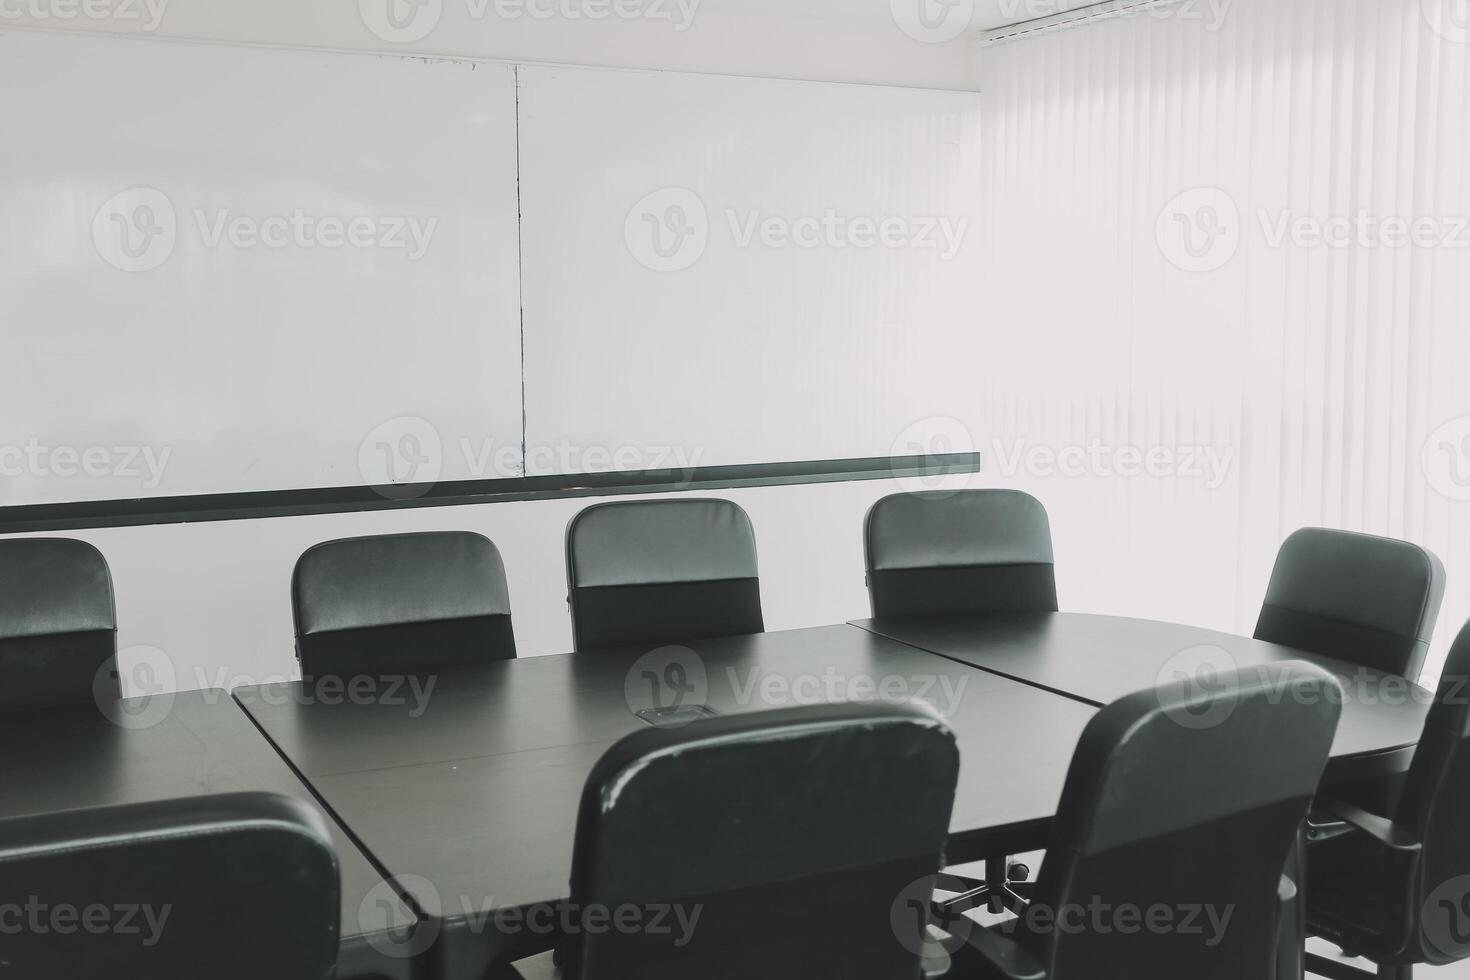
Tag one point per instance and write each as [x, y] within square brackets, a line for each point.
[58, 623]
[1366, 600]
[400, 603]
[1186, 801]
[658, 571]
[971, 551]
[781, 840]
[237, 887]
[1435, 803]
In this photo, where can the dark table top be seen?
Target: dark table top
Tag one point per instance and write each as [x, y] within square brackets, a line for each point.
[175, 746]
[1098, 659]
[467, 792]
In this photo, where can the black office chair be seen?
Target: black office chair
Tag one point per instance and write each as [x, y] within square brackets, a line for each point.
[58, 624]
[1397, 890]
[1181, 800]
[400, 603]
[1366, 600]
[660, 571]
[237, 887]
[971, 551]
[787, 837]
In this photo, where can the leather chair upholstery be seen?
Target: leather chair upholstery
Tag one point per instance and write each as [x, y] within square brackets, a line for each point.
[794, 832]
[58, 623]
[660, 571]
[1181, 800]
[234, 887]
[1367, 600]
[1396, 887]
[971, 551]
[401, 603]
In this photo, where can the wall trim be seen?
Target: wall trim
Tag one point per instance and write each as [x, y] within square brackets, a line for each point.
[206, 508]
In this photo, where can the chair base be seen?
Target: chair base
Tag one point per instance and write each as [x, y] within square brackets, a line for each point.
[1321, 966]
[1005, 889]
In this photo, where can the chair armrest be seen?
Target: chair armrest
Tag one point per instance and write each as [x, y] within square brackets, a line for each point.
[1381, 829]
[1001, 957]
[1320, 826]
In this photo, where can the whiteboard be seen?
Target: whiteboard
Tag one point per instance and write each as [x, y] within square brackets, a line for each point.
[242, 348]
[745, 271]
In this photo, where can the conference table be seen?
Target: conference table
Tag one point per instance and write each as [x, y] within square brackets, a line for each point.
[1098, 659]
[464, 790]
[452, 797]
[468, 796]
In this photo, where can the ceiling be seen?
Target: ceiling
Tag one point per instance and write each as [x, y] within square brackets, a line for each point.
[988, 14]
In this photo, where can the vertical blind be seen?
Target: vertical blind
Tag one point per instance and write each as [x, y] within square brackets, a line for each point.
[1233, 234]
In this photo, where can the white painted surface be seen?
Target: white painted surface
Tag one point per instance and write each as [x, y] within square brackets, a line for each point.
[747, 271]
[241, 347]
[303, 269]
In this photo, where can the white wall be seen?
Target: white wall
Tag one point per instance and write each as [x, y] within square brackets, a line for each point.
[1287, 385]
[855, 41]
